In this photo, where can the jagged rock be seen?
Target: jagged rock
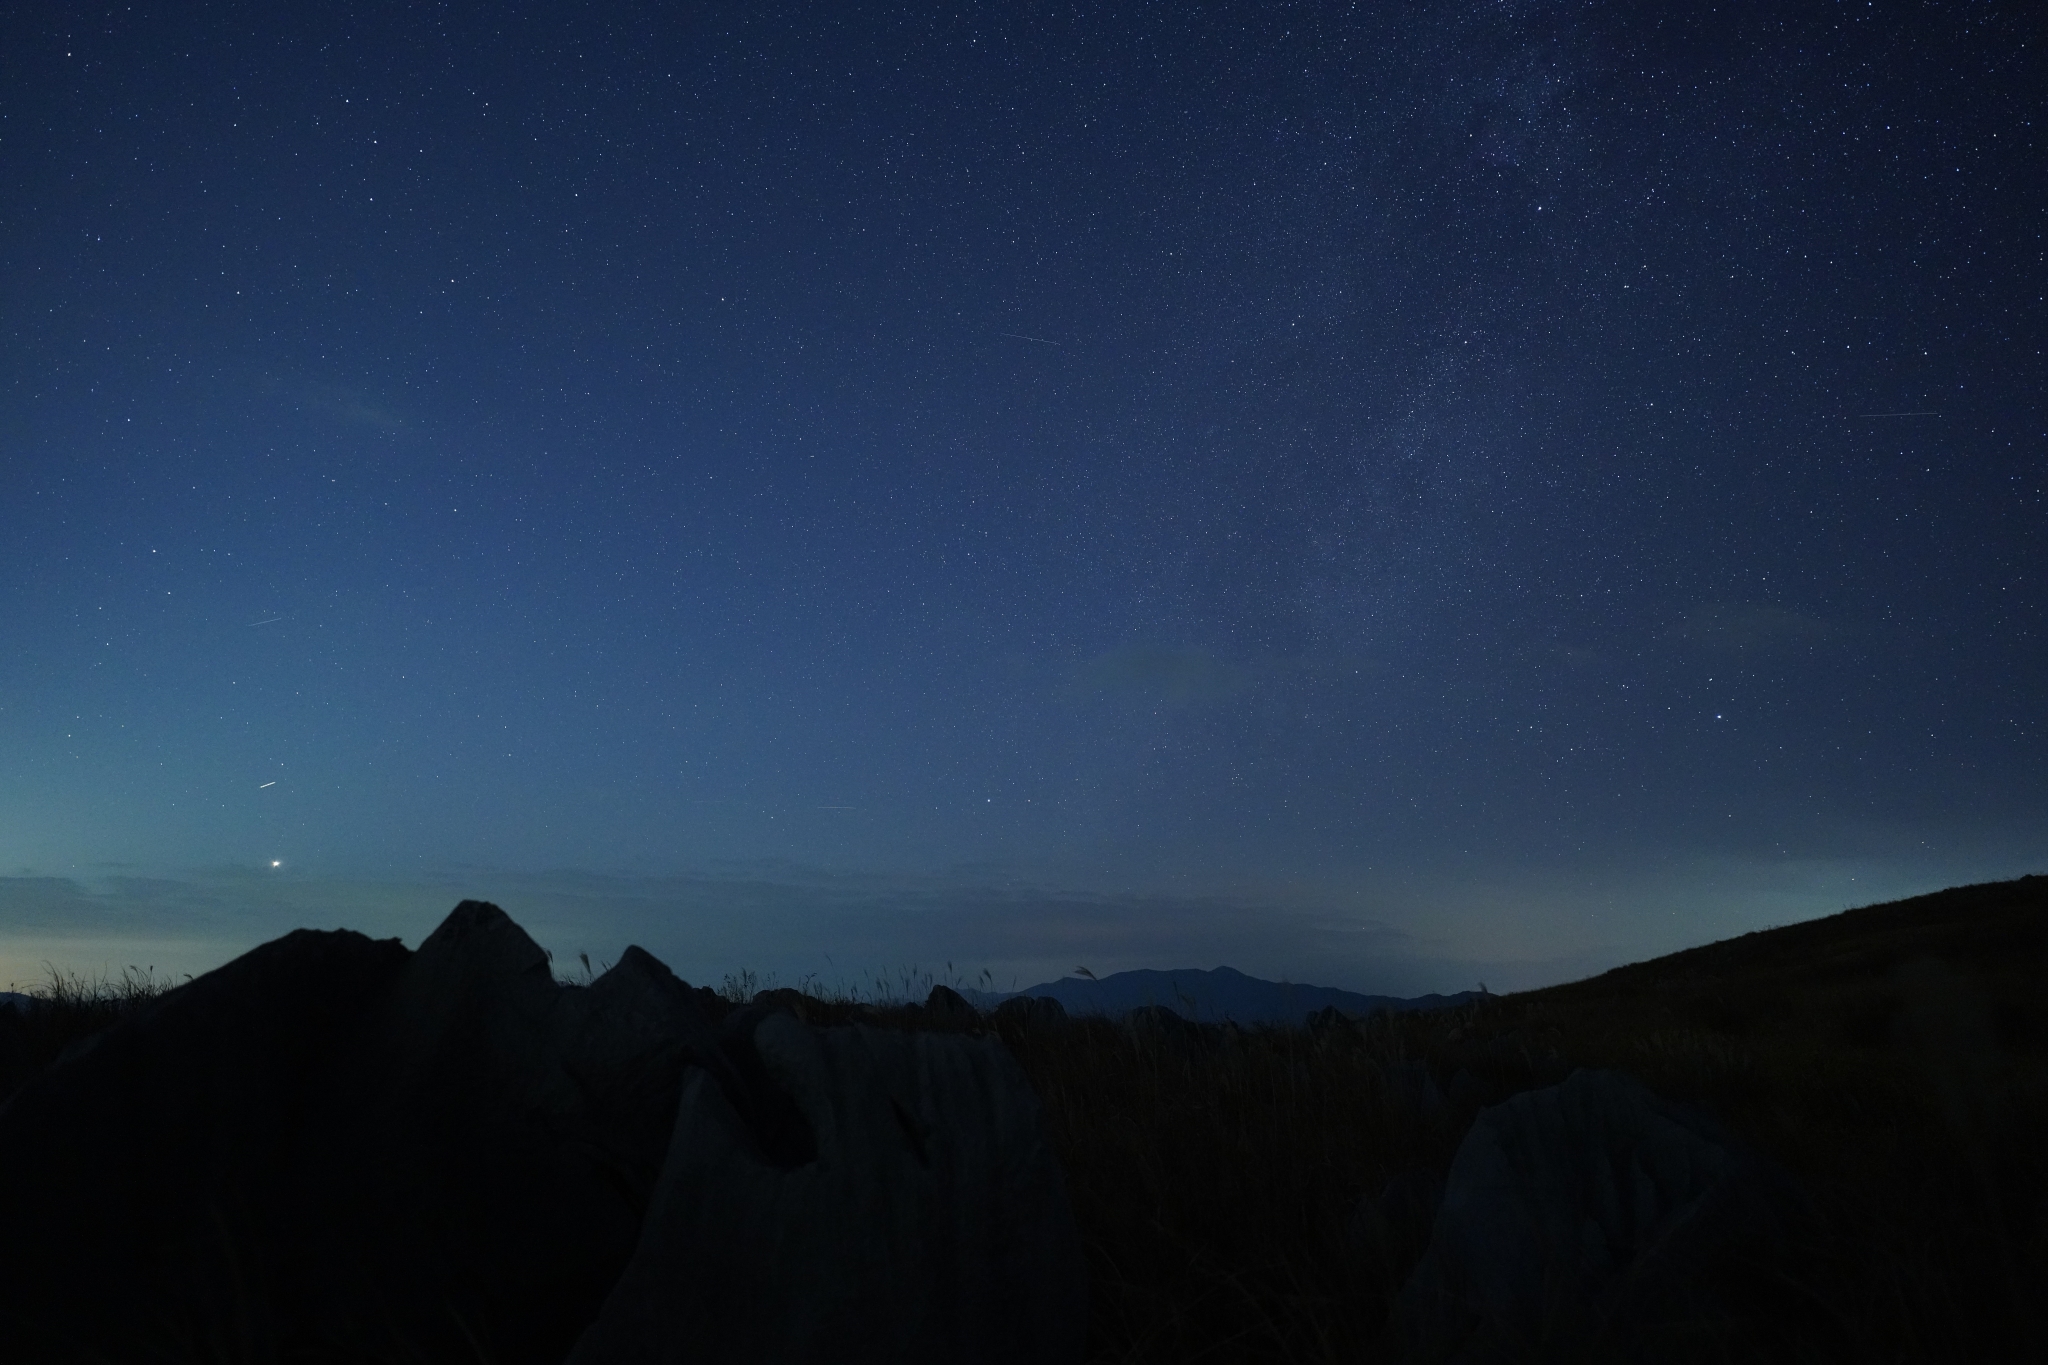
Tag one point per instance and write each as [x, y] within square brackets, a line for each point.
[773, 1121]
[948, 1008]
[928, 1224]
[332, 1145]
[1586, 1215]
[622, 1043]
[1030, 1013]
[146, 1174]
[333, 1149]
[509, 1130]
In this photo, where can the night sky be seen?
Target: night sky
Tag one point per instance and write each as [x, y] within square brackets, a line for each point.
[1390, 496]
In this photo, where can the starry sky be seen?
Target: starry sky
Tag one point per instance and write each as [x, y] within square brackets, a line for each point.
[1385, 495]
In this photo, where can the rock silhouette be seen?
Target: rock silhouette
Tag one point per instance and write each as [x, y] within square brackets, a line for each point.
[1030, 1013]
[333, 1148]
[948, 1007]
[146, 1175]
[931, 1224]
[1581, 1220]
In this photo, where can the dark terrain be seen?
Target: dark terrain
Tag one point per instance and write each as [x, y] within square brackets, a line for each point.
[1262, 1194]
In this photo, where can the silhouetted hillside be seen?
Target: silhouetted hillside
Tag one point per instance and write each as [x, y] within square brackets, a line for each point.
[1874, 979]
[1877, 1081]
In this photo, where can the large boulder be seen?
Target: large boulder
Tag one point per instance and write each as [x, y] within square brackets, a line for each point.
[334, 1148]
[149, 1177]
[918, 1217]
[496, 1142]
[1030, 1015]
[948, 1008]
[1588, 1220]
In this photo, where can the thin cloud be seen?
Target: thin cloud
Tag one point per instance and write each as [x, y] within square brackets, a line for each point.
[352, 407]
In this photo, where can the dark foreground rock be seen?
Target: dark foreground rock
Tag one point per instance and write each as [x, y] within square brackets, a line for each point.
[333, 1147]
[336, 1149]
[1593, 1220]
[929, 1222]
[147, 1177]
[1030, 1015]
[948, 1008]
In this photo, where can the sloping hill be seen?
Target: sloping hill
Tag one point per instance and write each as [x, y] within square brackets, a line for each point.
[1967, 964]
[1894, 1059]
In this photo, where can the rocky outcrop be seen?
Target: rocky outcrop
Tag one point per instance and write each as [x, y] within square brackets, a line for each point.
[1582, 1221]
[1030, 1014]
[501, 1137]
[948, 1008]
[152, 1177]
[333, 1148]
[927, 1223]
[333, 1143]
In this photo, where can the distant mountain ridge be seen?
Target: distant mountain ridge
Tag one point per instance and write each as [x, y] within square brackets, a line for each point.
[1213, 996]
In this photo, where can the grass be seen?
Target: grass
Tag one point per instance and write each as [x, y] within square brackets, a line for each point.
[67, 1009]
[1893, 1058]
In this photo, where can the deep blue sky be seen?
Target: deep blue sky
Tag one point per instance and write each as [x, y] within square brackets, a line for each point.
[1375, 494]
